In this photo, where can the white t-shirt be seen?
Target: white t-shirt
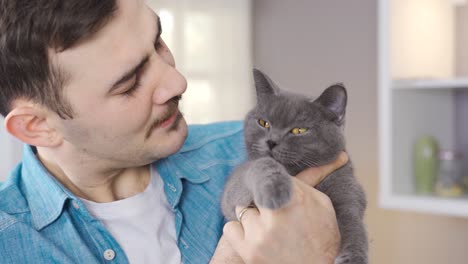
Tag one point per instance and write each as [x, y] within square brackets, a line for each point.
[143, 224]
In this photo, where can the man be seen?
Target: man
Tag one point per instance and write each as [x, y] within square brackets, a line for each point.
[108, 172]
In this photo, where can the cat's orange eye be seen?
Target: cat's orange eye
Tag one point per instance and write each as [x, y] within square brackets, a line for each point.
[264, 123]
[297, 130]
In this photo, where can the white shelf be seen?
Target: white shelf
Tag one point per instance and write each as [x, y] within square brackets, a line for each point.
[430, 83]
[427, 204]
[409, 108]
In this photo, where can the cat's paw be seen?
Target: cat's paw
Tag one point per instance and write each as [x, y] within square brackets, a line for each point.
[274, 193]
[348, 258]
[343, 259]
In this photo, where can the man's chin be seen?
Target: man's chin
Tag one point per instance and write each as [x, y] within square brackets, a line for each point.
[175, 139]
[182, 128]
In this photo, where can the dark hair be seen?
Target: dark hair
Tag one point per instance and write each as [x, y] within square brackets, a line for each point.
[28, 30]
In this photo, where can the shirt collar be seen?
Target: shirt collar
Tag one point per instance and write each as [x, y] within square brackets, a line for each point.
[175, 168]
[184, 168]
[45, 195]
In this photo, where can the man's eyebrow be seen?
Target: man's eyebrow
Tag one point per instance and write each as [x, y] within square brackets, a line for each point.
[130, 73]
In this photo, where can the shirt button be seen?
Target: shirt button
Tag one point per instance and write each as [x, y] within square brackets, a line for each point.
[172, 187]
[184, 244]
[109, 254]
[75, 204]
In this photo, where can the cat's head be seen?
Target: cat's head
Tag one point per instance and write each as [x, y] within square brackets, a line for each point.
[297, 131]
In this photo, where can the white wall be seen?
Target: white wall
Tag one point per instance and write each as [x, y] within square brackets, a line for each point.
[422, 38]
[462, 40]
[10, 152]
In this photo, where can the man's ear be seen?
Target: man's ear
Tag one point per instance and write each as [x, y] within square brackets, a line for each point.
[29, 124]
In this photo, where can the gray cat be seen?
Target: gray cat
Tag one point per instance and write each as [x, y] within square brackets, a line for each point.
[286, 133]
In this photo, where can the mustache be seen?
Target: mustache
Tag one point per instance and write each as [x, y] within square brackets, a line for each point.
[173, 107]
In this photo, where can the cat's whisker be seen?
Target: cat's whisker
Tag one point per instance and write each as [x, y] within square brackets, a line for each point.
[297, 164]
[256, 148]
[309, 163]
[286, 157]
[285, 151]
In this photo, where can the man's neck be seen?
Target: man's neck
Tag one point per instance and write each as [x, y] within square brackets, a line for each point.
[95, 182]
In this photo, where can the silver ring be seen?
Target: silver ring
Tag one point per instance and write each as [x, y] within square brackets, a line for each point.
[241, 213]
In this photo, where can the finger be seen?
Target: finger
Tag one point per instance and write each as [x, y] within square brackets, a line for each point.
[225, 253]
[313, 176]
[234, 234]
[303, 191]
[250, 218]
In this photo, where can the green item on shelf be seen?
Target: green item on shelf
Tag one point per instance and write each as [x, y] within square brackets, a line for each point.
[425, 164]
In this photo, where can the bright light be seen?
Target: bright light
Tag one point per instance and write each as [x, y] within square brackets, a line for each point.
[167, 24]
[167, 18]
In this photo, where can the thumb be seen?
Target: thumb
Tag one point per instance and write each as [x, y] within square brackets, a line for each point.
[313, 176]
[234, 233]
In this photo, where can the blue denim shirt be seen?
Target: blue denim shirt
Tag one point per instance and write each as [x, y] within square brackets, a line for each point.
[43, 222]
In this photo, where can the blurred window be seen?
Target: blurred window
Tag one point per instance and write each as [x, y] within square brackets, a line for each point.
[211, 43]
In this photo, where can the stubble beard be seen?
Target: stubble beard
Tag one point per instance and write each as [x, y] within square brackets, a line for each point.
[173, 105]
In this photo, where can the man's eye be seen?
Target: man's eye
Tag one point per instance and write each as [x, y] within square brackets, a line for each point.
[130, 91]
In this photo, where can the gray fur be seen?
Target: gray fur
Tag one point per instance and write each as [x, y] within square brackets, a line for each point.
[275, 154]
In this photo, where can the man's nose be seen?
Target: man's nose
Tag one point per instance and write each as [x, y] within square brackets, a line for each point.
[172, 84]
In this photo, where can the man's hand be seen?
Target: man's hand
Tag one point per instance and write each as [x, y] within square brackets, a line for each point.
[313, 176]
[303, 231]
[225, 254]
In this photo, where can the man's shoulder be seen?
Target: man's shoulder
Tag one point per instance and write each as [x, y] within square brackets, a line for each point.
[13, 204]
[7, 222]
[215, 136]
[10, 235]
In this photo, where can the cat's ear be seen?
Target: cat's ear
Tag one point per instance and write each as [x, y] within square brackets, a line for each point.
[334, 99]
[263, 84]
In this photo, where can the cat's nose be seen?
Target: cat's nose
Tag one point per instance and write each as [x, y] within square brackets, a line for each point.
[271, 144]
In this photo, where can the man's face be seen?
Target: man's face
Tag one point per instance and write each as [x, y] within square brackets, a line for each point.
[124, 89]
